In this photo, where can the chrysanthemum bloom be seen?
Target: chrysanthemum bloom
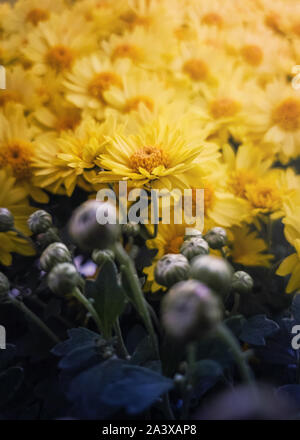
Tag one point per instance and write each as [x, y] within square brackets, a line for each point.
[13, 197]
[17, 149]
[56, 43]
[291, 264]
[158, 156]
[64, 162]
[89, 79]
[247, 248]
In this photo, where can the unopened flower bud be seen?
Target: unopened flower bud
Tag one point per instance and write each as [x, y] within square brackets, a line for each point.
[191, 233]
[86, 228]
[4, 285]
[190, 310]
[6, 220]
[131, 229]
[216, 237]
[193, 247]
[40, 221]
[54, 254]
[46, 238]
[171, 268]
[242, 282]
[213, 271]
[63, 278]
[102, 256]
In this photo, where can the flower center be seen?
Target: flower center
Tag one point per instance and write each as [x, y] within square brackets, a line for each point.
[127, 51]
[148, 158]
[223, 108]
[133, 103]
[196, 69]
[212, 19]
[59, 58]
[238, 181]
[132, 19]
[287, 114]
[263, 195]
[8, 96]
[252, 54]
[102, 82]
[36, 15]
[174, 245]
[17, 155]
[69, 120]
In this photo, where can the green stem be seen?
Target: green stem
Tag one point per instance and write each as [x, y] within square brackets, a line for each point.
[88, 305]
[138, 296]
[35, 319]
[191, 360]
[226, 335]
[122, 346]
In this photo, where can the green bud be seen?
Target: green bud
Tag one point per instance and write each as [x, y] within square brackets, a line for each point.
[190, 310]
[131, 229]
[4, 285]
[213, 271]
[242, 282]
[6, 220]
[46, 238]
[192, 234]
[63, 278]
[193, 247]
[87, 232]
[40, 221]
[102, 256]
[171, 268]
[54, 254]
[216, 237]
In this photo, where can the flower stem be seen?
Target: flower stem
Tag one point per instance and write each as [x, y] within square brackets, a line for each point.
[245, 372]
[122, 346]
[89, 306]
[138, 296]
[35, 319]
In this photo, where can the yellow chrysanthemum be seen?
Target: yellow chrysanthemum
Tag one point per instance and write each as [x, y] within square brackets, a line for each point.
[245, 247]
[13, 197]
[158, 156]
[17, 149]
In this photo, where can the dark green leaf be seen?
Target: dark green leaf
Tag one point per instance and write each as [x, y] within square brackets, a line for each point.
[257, 328]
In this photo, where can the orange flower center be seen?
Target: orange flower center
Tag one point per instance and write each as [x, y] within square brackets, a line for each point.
[239, 180]
[263, 195]
[252, 54]
[127, 51]
[8, 96]
[69, 120]
[17, 154]
[224, 108]
[196, 69]
[102, 82]
[60, 58]
[287, 114]
[36, 15]
[133, 103]
[174, 245]
[148, 158]
[212, 19]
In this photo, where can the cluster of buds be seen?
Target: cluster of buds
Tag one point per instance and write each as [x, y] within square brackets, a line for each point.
[63, 278]
[171, 269]
[41, 225]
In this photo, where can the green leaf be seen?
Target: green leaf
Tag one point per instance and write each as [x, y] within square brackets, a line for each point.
[108, 295]
[257, 328]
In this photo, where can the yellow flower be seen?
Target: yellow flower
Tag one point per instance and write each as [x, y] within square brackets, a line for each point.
[13, 197]
[247, 248]
[89, 79]
[64, 162]
[158, 156]
[17, 149]
[55, 44]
